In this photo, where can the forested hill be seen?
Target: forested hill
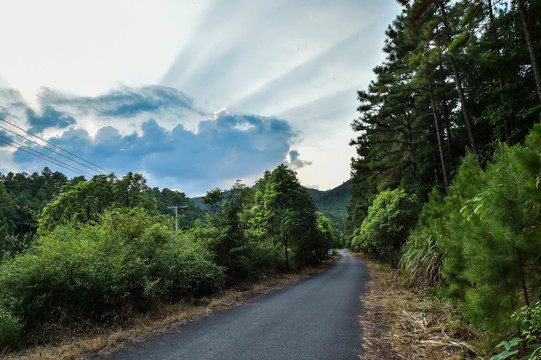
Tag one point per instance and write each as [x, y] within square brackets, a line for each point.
[198, 201]
[332, 203]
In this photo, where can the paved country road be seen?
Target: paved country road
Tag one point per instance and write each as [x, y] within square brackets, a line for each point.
[316, 318]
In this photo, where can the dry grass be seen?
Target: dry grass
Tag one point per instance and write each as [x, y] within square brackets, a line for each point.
[87, 339]
[376, 320]
[400, 324]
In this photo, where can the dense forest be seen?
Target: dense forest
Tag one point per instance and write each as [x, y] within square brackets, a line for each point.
[24, 196]
[446, 181]
[103, 249]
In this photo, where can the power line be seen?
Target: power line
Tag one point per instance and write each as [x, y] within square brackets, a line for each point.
[58, 147]
[35, 153]
[51, 150]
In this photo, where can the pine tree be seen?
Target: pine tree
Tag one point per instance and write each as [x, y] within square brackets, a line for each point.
[522, 7]
[430, 20]
[503, 243]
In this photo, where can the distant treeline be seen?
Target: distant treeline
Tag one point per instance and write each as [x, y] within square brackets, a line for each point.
[23, 197]
[446, 182]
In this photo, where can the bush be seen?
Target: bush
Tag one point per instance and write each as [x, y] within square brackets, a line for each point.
[125, 262]
[254, 255]
[10, 327]
[386, 227]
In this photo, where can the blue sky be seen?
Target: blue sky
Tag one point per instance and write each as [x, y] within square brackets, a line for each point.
[194, 94]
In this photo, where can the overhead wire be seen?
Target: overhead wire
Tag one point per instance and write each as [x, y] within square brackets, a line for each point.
[43, 156]
[38, 154]
[51, 150]
[58, 147]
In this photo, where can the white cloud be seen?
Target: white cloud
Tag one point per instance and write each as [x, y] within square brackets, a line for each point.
[299, 61]
[224, 148]
[220, 113]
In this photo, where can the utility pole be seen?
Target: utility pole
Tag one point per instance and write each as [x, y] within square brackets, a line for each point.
[176, 207]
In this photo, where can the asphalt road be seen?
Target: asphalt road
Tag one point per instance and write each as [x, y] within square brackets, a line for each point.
[315, 318]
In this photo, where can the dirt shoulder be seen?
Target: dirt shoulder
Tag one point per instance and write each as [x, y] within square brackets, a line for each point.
[83, 341]
[401, 324]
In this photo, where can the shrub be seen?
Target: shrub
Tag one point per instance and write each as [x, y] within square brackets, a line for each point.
[254, 255]
[125, 262]
[386, 227]
[10, 327]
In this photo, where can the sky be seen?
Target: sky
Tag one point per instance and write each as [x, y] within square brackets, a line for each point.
[193, 94]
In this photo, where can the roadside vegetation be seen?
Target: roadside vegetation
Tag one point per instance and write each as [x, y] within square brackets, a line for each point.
[405, 323]
[100, 252]
[446, 185]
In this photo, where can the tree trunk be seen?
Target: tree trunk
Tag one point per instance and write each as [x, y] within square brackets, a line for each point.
[458, 84]
[301, 250]
[527, 34]
[498, 65]
[525, 295]
[446, 113]
[410, 145]
[287, 259]
[438, 135]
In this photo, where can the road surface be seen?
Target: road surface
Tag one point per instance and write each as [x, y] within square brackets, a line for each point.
[315, 318]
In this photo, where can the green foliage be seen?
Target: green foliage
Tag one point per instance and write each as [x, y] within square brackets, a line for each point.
[248, 229]
[255, 255]
[83, 202]
[502, 241]
[509, 351]
[451, 224]
[385, 229]
[231, 244]
[166, 198]
[258, 256]
[214, 201]
[328, 236]
[126, 261]
[457, 75]
[22, 198]
[445, 62]
[10, 328]
[103, 250]
[286, 212]
[7, 218]
[487, 234]
[435, 247]
[529, 321]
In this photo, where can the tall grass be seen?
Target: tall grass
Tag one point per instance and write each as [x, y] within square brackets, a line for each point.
[421, 260]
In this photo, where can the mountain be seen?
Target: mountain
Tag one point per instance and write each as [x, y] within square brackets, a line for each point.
[332, 203]
[198, 201]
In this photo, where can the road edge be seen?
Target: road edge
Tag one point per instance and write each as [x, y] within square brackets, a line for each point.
[102, 341]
